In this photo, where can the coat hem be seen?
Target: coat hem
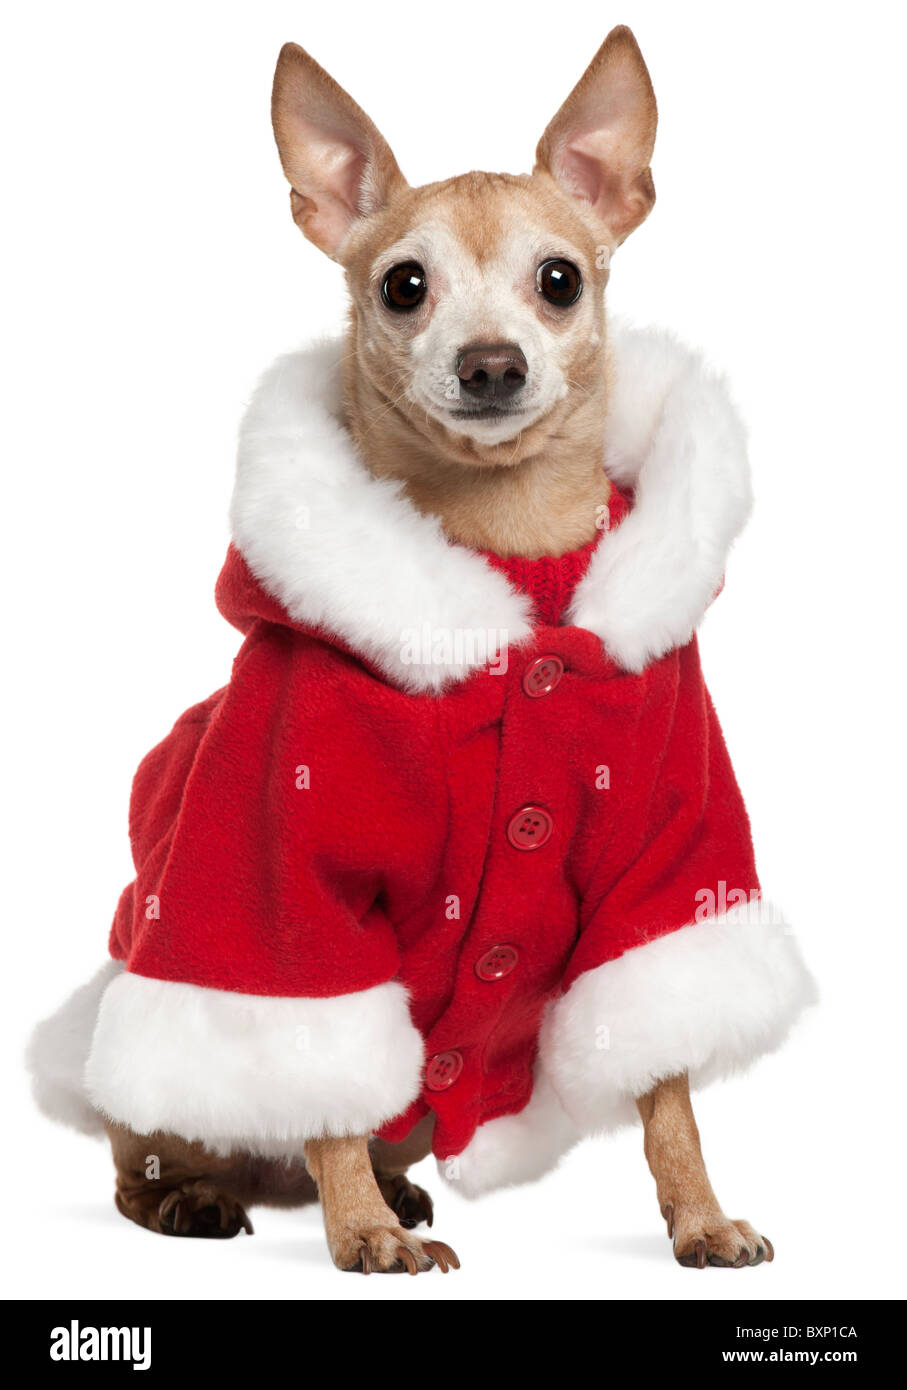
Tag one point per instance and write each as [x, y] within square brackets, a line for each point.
[709, 999]
[236, 1072]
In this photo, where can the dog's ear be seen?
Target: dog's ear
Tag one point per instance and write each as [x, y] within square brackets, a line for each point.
[599, 144]
[339, 165]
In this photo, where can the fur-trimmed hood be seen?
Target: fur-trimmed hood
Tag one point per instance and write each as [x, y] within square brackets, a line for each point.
[348, 554]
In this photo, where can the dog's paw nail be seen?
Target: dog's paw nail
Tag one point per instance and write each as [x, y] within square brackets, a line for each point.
[407, 1258]
[443, 1256]
[668, 1214]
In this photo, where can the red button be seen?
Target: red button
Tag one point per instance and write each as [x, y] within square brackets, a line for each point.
[443, 1070]
[497, 962]
[530, 828]
[542, 675]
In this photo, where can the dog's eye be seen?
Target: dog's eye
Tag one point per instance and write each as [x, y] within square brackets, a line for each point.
[404, 286]
[560, 282]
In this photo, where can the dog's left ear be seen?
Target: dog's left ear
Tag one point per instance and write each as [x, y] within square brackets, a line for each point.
[338, 163]
[599, 144]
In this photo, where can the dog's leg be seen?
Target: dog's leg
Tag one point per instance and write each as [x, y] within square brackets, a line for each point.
[168, 1185]
[363, 1233]
[701, 1232]
[411, 1204]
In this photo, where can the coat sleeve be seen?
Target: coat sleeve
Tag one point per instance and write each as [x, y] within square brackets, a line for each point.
[258, 1004]
[682, 964]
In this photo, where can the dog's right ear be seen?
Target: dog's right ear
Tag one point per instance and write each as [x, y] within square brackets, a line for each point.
[599, 144]
[339, 165]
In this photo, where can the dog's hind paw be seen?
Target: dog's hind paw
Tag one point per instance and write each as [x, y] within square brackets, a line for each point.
[199, 1209]
[409, 1203]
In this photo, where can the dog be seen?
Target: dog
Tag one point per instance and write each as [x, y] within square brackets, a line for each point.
[457, 861]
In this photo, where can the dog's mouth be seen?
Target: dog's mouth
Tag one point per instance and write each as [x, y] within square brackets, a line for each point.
[489, 421]
[489, 411]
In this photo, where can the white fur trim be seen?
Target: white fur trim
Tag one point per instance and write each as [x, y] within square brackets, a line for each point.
[514, 1149]
[58, 1051]
[672, 435]
[249, 1072]
[349, 553]
[708, 999]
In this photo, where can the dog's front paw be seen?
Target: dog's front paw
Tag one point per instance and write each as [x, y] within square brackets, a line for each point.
[712, 1239]
[388, 1250]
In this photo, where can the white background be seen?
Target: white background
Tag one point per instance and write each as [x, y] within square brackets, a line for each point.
[153, 271]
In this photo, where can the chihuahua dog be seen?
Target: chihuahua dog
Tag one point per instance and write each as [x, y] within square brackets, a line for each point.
[515, 468]
[475, 385]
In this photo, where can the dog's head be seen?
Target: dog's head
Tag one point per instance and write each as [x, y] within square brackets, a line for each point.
[478, 302]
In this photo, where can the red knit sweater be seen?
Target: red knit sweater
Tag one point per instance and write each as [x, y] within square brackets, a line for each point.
[550, 581]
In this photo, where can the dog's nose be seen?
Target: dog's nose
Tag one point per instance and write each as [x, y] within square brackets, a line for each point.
[492, 370]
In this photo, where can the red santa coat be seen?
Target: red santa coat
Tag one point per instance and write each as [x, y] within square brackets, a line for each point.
[439, 845]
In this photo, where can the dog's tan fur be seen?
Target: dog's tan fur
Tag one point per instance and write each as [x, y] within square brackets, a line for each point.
[362, 1231]
[701, 1233]
[536, 493]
